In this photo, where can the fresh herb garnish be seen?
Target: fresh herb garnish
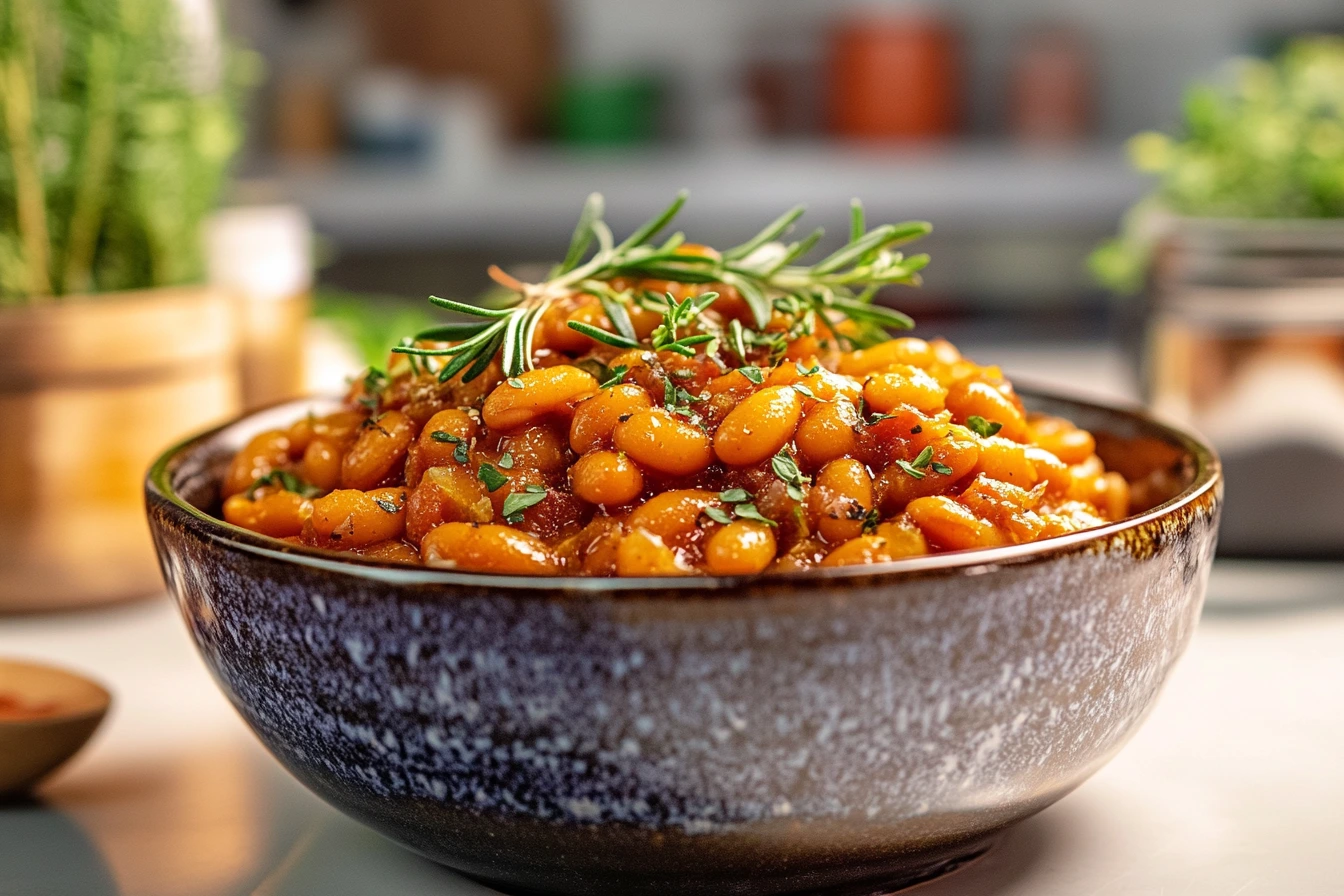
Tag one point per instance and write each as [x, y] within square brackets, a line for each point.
[287, 481]
[514, 382]
[516, 502]
[506, 460]
[718, 515]
[749, 512]
[763, 270]
[806, 371]
[372, 384]
[492, 478]
[734, 496]
[617, 376]
[755, 374]
[786, 468]
[871, 520]
[924, 462]
[982, 427]
[803, 390]
[459, 453]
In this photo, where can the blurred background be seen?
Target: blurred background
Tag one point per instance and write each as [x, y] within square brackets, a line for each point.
[210, 206]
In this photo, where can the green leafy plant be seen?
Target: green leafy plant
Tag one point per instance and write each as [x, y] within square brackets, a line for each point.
[1268, 145]
[764, 270]
[117, 122]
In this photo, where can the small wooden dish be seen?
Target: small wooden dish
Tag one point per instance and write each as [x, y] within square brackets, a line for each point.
[46, 716]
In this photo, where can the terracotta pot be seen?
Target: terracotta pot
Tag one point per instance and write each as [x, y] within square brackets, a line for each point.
[91, 388]
[895, 78]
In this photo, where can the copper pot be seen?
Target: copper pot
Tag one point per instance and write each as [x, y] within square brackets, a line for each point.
[91, 388]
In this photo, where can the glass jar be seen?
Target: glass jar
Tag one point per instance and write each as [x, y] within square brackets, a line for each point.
[1245, 342]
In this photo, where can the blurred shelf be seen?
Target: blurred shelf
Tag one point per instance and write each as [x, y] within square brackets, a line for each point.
[530, 195]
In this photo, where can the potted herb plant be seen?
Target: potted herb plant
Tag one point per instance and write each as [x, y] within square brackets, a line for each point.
[117, 121]
[1238, 259]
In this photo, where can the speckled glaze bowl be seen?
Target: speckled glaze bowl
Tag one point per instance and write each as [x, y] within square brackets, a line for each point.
[852, 731]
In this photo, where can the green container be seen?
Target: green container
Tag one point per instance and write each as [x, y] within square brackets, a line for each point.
[608, 110]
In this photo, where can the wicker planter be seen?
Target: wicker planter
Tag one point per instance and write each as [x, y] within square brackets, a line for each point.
[1245, 341]
[91, 389]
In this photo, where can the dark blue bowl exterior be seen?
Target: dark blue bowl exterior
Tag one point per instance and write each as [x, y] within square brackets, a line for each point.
[766, 736]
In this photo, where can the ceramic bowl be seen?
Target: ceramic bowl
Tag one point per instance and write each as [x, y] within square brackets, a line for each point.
[846, 731]
[46, 717]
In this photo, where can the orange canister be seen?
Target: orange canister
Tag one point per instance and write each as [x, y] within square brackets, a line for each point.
[895, 76]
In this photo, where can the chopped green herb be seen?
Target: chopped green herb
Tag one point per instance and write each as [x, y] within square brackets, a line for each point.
[514, 382]
[735, 496]
[786, 468]
[718, 515]
[506, 460]
[806, 371]
[517, 502]
[389, 506]
[871, 519]
[617, 376]
[460, 453]
[749, 512]
[737, 338]
[916, 467]
[755, 374]
[287, 481]
[941, 469]
[803, 390]
[982, 427]
[492, 478]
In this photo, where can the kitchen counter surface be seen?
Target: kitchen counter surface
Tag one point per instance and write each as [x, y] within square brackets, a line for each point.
[1232, 788]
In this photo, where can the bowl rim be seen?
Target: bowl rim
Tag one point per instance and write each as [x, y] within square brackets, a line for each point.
[1207, 478]
[97, 708]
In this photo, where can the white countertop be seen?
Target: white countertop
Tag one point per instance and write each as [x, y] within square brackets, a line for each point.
[1234, 786]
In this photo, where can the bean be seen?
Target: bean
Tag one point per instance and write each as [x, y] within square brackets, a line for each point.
[953, 447]
[497, 549]
[840, 500]
[641, 553]
[546, 391]
[595, 418]
[657, 440]
[537, 448]
[951, 527]
[265, 453]
[672, 516]
[321, 465]
[758, 427]
[350, 518]
[741, 548]
[908, 351]
[978, 399]
[380, 446]
[279, 514]
[1050, 470]
[827, 432]
[1006, 461]
[607, 478]
[450, 493]
[904, 385]
[1062, 439]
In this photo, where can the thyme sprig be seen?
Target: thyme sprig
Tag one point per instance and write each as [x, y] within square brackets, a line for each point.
[765, 271]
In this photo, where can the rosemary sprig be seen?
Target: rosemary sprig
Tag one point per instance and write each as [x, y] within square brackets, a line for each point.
[764, 270]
